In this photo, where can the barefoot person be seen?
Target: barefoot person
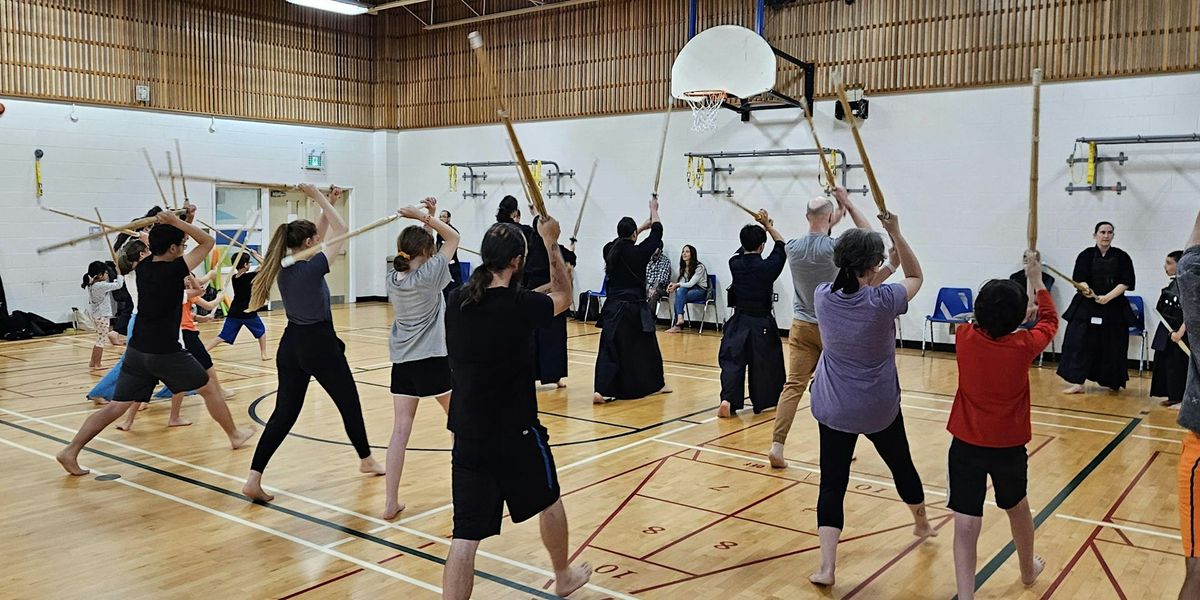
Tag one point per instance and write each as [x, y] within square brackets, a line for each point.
[751, 337]
[1170, 361]
[100, 308]
[990, 418]
[239, 315]
[417, 343]
[501, 452]
[1096, 344]
[1189, 417]
[154, 353]
[628, 363]
[550, 340]
[856, 389]
[810, 259]
[309, 347]
[133, 251]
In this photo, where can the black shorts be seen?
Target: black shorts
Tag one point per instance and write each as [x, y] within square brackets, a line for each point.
[970, 467]
[195, 347]
[422, 378]
[140, 372]
[487, 474]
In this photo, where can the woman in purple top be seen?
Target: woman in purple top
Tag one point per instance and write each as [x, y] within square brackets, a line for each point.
[855, 389]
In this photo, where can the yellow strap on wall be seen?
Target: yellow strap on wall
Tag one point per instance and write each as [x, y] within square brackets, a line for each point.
[1091, 171]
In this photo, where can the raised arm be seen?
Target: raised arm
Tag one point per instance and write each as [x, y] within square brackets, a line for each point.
[560, 278]
[330, 224]
[450, 235]
[856, 215]
[913, 276]
[204, 242]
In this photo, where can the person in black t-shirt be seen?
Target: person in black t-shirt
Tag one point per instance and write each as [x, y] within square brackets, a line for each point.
[154, 352]
[751, 335]
[501, 452]
[628, 362]
[239, 314]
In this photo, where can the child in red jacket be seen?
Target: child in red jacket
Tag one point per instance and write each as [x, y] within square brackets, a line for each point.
[990, 417]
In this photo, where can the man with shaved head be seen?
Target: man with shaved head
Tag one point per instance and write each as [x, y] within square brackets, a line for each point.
[811, 260]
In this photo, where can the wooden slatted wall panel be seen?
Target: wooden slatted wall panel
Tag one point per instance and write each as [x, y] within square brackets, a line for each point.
[263, 60]
[273, 61]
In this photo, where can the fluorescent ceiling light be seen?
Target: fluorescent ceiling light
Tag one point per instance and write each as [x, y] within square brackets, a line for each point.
[345, 7]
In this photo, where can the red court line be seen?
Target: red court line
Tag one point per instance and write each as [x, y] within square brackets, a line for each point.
[618, 509]
[326, 582]
[622, 473]
[1159, 526]
[707, 510]
[852, 472]
[1096, 531]
[1111, 578]
[649, 562]
[1167, 552]
[726, 517]
[738, 517]
[889, 564]
[747, 427]
[765, 559]
[1122, 535]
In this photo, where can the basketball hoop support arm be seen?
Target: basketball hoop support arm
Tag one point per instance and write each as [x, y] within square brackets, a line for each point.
[471, 176]
[712, 157]
[785, 101]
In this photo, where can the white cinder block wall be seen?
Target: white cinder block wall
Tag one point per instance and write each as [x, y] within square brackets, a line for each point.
[953, 165]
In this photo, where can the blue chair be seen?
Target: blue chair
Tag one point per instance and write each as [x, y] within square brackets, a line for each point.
[464, 271]
[709, 300]
[1029, 325]
[954, 306]
[598, 296]
[1139, 327]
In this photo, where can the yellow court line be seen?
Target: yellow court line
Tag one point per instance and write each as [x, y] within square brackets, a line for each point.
[263, 528]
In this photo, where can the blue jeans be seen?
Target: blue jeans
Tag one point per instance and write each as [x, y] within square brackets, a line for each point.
[692, 295]
[107, 385]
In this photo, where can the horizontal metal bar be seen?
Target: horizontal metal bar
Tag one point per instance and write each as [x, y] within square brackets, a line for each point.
[1120, 158]
[1142, 139]
[1120, 187]
[507, 13]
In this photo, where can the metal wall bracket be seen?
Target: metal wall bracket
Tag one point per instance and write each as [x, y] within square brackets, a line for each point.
[555, 173]
[1093, 158]
[712, 157]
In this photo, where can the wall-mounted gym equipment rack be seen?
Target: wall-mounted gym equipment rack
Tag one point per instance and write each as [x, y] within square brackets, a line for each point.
[472, 177]
[1093, 158]
[712, 157]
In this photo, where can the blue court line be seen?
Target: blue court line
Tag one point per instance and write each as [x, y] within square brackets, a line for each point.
[290, 512]
[994, 565]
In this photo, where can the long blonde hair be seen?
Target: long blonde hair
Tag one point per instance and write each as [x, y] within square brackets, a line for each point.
[289, 236]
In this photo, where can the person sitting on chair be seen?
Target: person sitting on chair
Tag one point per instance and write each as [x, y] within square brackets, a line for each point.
[691, 287]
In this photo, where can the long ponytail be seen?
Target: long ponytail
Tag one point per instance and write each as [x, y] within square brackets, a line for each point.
[501, 244]
[286, 237]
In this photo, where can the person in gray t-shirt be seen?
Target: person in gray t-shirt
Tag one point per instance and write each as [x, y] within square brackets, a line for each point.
[811, 260]
[417, 343]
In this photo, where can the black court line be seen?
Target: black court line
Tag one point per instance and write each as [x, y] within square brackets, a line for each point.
[1005, 553]
[574, 418]
[288, 511]
[252, 410]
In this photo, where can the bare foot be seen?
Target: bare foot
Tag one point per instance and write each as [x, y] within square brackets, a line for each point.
[724, 411]
[143, 406]
[126, 426]
[559, 384]
[241, 436]
[1075, 389]
[70, 462]
[822, 578]
[923, 530]
[392, 511]
[97, 400]
[370, 467]
[256, 493]
[674, 329]
[574, 578]
[1038, 566]
[665, 390]
[597, 398]
[180, 422]
[228, 393]
[265, 357]
[775, 456]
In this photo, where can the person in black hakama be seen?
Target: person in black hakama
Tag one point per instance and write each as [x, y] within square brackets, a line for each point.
[1096, 344]
[628, 363]
[455, 268]
[751, 336]
[550, 339]
[1170, 361]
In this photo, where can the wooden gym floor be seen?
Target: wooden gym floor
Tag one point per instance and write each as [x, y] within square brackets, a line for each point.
[663, 500]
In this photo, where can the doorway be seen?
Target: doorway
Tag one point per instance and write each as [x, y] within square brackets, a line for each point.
[291, 205]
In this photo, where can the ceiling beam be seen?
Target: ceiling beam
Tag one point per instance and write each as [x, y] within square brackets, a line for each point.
[503, 15]
[396, 4]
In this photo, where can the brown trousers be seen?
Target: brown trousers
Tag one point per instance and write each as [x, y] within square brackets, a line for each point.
[804, 348]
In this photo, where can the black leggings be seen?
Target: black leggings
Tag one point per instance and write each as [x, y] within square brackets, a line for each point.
[311, 351]
[837, 450]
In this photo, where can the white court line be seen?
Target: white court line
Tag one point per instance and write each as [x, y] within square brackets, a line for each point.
[1176, 429]
[384, 525]
[1171, 536]
[1033, 411]
[1156, 439]
[790, 463]
[66, 414]
[228, 517]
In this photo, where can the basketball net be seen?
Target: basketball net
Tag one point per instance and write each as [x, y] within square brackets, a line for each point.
[705, 106]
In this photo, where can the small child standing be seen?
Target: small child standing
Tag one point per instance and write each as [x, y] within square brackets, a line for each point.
[100, 308]
[990, 417]
[240, 314]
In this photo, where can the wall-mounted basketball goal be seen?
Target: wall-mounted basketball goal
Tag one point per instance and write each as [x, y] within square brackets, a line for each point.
[734, 68]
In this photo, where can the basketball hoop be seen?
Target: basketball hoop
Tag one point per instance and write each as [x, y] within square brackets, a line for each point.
[705, 106]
